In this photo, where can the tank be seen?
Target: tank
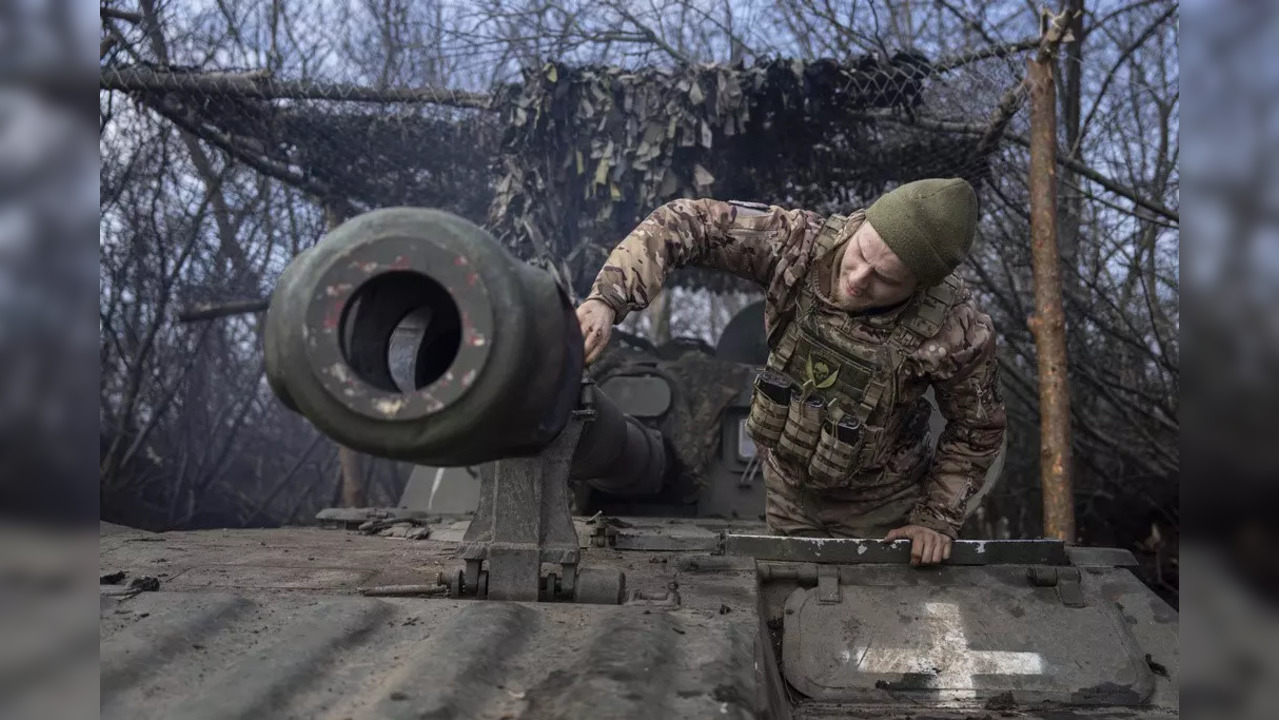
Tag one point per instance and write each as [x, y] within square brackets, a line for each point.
[650, 599]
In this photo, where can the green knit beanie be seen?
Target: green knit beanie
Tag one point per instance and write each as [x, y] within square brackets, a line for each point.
[929, 224]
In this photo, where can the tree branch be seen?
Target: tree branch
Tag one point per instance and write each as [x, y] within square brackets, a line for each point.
[947, 126]
[214, 310]
[124, 15]
[1107, 183]
[653, 36]
[1123, 57]
[258, 85]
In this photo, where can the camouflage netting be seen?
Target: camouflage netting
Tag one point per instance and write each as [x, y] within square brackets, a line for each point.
[588, 152]
[561, 166]
[354, 158]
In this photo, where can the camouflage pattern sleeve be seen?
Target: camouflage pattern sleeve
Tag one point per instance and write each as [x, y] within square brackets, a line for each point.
[961, 364]
[750, 240]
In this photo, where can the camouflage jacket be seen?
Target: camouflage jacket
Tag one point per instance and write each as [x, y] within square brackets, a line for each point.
[775, 248]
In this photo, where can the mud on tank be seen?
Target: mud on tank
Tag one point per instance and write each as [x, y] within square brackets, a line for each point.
[410, 334]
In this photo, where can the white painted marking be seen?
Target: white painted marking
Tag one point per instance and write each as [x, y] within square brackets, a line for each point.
[947, 657]
[435, 485]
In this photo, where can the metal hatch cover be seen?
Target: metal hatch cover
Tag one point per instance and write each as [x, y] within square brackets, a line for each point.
[960, 645]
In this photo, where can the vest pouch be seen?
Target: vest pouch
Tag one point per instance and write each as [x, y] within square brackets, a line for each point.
[803, 426]
[835, 458]
[769, 408]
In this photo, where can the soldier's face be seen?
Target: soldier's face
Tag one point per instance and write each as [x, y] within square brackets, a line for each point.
[870, 274]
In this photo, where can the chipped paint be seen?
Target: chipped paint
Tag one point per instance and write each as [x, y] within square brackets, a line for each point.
[339, 371]
[981, 546]
[333, 291]
[389, 406]
[944, 658]
[332, 316]
[468, 378]
[861, 549]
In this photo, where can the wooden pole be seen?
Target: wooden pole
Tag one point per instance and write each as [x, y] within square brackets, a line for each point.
[1048, 324]
[260, 84]
[353, 485]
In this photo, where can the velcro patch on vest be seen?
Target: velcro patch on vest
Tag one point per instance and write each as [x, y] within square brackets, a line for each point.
[820, 368]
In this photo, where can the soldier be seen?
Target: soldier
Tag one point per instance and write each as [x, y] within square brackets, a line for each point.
[863, 313]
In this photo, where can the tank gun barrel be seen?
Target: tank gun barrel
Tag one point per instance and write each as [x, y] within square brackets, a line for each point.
[411, 334]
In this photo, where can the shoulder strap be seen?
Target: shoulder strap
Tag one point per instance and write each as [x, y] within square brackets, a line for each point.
[925, 316]
[788, 336]
[827, 239]
[828, 236]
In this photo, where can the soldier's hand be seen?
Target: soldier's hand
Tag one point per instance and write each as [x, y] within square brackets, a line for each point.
[927, 546]
[596, 320]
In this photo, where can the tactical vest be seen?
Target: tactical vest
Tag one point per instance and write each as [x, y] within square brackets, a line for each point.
[814, 405]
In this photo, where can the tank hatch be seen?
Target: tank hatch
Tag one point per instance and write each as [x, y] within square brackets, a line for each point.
[964, 634]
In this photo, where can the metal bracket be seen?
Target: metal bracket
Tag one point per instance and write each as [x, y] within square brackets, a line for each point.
[828, 584]
[1069, 588]
[604, 535]
[523, 520]
[1067, 580]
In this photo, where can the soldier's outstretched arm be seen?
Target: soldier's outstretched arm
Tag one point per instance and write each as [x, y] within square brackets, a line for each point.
[965, 376]
[747, 239]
